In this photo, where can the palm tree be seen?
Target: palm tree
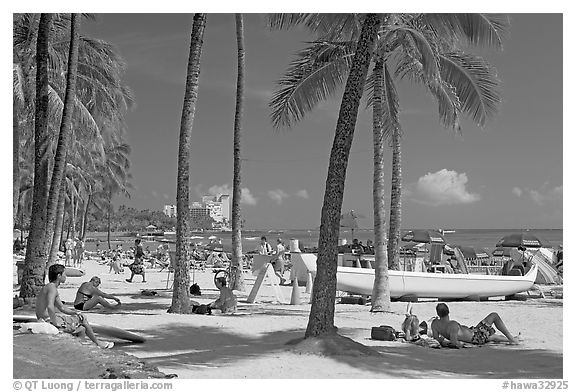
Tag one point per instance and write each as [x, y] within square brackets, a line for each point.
[321, 320]
[418, 43]
[180, 298]
[237, 280]
[35, 261]
[65, 131]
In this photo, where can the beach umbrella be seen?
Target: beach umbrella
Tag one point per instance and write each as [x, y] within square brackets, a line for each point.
[151, 227]
[350, 220]
[526, 240]
[424, 236]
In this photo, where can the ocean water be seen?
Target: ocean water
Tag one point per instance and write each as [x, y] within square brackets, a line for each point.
[478, 238]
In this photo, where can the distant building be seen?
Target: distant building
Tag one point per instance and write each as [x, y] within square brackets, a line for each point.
[216, 207]
[170, 210]
[219, 207]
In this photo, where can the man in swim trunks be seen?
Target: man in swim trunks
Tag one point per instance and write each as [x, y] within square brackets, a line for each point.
[89, 296]
[137, 267]
[450, 333]
[72, 321]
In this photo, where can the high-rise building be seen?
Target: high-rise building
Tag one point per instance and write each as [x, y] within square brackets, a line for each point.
[170, 210]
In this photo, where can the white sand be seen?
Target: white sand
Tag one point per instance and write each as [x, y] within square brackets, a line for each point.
[253, 344]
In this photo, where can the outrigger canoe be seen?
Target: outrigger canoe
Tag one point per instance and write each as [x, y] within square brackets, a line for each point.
[425, 284]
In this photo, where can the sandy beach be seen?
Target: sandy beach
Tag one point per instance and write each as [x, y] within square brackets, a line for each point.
[252, 343]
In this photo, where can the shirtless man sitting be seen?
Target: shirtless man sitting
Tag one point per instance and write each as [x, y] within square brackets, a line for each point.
[72, 321]
[450, 333]
[89, 296]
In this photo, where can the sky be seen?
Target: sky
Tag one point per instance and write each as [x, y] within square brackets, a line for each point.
[506, 175]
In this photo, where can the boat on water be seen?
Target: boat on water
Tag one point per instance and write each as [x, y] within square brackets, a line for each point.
[360, 280]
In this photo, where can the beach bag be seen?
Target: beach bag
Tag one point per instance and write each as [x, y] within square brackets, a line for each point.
[195, 289]
[383, 332]
[201, 309]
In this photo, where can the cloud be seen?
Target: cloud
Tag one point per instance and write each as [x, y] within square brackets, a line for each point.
[165, 195]
[154, 194]
[544, 195]
[444, 187]
[303, 193]
[246, 196]
[278, 195]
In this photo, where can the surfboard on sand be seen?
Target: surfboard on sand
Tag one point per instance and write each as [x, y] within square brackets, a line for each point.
[74, 272]
[99, 329]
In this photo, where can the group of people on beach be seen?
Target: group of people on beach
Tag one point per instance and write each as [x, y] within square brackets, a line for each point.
[74, 252]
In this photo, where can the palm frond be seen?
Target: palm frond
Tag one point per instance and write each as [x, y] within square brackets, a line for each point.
[478, 29]
[311, 78]
[326, 26]
[424, 49]
[475, 82]
[391, 105]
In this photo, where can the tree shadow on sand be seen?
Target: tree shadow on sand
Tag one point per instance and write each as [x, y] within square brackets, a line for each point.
[184, 346]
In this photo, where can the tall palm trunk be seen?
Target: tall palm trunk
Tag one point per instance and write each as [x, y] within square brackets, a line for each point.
[109, 220]
[58, 227]
[85, 217]
[321, 320]
[15, 160]
[395, 202]
[28, 71]
[180, 298]
[35, 261]
[381, 288]
[238, 280]
[65, 134]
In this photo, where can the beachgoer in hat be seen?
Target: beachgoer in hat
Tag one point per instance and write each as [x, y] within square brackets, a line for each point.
[449, 333]
[71, 321]
[89, 296]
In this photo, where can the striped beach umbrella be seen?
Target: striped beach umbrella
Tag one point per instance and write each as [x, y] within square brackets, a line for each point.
[527, 240]
[424, 236]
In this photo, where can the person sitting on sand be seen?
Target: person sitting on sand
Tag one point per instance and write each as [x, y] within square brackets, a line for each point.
[89, 296]
[72, 321]
[227, 302]
[137, 267]
[450, 333]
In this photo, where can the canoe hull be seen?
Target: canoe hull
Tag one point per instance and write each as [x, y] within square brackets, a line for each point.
[426, 285]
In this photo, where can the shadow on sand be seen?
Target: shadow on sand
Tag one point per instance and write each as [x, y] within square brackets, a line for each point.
[184, 346]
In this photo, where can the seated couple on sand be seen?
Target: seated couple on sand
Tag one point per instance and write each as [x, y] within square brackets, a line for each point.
[89, 296]
[449, 333]
[69, 321]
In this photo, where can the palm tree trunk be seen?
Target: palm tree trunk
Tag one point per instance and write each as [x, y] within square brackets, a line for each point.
[381, 289]
[395, 203]
[109, 221]
[15, 160]
[85, 217]
[65, 134]
[238, 280]
[321, 320]
[58, 229]
[35, 261]
[180, 294]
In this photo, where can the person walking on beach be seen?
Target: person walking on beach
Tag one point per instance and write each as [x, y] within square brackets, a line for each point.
[89, 296]
[449, 333]
[278, 260]
[137, 267]
[69, 246]
[71, 321]
[264, 248]
[79, 252]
